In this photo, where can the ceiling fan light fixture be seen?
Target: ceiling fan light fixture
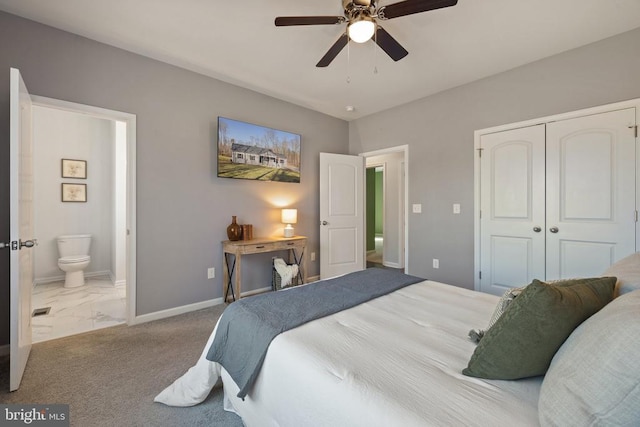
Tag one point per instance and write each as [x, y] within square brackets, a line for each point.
[361, 29]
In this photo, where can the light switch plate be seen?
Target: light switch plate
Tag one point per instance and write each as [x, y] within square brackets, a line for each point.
[456, 208]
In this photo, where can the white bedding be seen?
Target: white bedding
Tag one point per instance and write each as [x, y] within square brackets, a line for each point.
[393, 361]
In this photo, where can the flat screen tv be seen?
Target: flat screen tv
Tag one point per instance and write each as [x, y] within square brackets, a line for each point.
[248, 151]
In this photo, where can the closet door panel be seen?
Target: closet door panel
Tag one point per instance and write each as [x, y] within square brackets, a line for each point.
[511, 262]
[512, 208]
[585, 259]
[590, 193]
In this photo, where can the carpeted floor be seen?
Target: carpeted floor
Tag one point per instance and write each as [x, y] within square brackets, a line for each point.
[109, 377]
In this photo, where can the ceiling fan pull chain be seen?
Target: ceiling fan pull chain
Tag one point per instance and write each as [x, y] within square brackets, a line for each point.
[349, 61]
[375, 51]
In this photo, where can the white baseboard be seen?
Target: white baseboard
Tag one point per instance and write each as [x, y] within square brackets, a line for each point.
[392, 264]
[99, 274]
[43, 280]
[5, 350]
[256, 291]
[170, 312]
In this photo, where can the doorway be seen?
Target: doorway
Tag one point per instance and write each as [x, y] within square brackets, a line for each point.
[386, 210]
[104, 141]
[375, 215]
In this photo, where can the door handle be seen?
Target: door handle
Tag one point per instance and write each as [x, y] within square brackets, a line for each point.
[325, 223]
[28, 243]
[537, 229]
[553, 229]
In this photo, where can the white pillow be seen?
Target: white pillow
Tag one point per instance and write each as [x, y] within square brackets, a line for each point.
[594, 378]
[627, 270]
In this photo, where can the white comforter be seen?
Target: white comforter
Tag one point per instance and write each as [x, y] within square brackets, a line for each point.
[393, 361]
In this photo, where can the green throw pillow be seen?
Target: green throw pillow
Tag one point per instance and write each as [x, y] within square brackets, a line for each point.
[525, 338]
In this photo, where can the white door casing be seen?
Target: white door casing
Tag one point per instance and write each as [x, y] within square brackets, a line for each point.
[21, 227]
[512, 202]
[590, 193]
[341, 214]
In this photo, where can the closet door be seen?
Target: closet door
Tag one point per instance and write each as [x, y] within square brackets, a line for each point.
[512, 227]
[590, 193]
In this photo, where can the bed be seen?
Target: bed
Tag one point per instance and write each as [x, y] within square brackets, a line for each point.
[398, 360]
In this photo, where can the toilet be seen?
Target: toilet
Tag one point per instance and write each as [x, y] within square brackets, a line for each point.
[74, 258]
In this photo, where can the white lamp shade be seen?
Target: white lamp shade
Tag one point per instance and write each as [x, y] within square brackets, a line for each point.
[361, 31]
[289, 216]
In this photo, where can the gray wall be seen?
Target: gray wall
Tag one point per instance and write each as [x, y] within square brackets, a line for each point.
[439, 131]
[183, 209]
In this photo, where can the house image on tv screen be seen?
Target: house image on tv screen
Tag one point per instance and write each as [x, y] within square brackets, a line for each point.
[254, 155]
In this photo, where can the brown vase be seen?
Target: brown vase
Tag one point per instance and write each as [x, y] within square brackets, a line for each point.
[234, 229]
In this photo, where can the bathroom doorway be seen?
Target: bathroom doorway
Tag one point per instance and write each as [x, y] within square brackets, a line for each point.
[102, 142]
[375, 216]
[386, 211]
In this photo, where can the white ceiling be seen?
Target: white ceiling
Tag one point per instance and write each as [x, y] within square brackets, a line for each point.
[237, 42]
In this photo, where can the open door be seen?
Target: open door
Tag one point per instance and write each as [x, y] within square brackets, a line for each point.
[341, 214]
[21, 226]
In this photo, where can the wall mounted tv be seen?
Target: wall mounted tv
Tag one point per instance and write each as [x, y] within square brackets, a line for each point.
[248, 151]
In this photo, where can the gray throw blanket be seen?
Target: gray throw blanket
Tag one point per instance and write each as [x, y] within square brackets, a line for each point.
[248, 326]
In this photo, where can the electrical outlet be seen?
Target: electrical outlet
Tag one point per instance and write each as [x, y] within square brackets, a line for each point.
[211, 273]
[456, 208]
[436, 263]
[417, 208]
[313, 256]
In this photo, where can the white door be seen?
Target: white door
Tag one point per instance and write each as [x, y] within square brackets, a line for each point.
[512, 224]
[341, 214]
[21, 213]
[590, 193]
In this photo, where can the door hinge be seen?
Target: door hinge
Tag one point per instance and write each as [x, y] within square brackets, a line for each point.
[480, 275]
[636, 216]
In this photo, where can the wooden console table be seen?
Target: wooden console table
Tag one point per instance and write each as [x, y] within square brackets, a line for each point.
[260, 245]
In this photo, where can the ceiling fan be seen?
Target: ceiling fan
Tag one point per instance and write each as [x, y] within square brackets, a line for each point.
[362, 18]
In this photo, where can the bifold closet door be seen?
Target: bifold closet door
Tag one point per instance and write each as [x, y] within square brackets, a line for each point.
[512, 205]
[590, 193]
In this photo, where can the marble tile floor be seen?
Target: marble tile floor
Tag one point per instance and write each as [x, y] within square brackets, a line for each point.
[98, 304]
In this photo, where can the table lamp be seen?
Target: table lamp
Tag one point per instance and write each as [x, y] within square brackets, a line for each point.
[289, 216]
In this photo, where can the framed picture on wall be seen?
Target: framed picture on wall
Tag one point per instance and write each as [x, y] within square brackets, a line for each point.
[72, 168]
[74, 192]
